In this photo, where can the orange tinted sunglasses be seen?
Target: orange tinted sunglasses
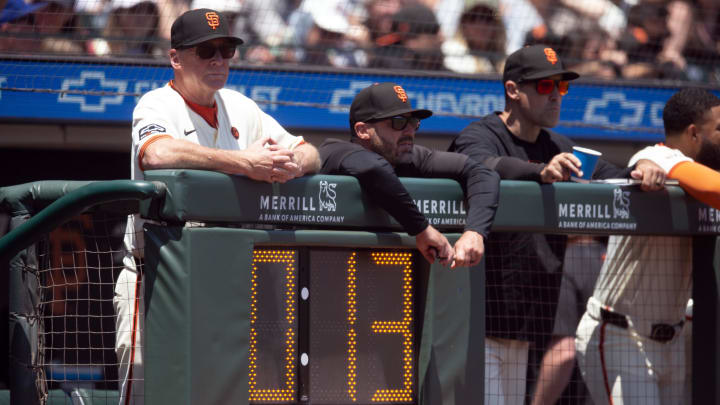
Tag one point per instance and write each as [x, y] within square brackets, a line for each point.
[546, 86]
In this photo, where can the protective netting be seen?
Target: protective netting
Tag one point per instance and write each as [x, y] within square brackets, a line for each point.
[570, 320]
[78, 267]
[599, 38]
[623, 298]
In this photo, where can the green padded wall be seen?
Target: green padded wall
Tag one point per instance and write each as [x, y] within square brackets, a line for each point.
[565, 207]
[197, 314]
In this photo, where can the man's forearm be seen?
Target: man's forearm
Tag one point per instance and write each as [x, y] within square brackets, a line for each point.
[512, 168]
[177, 153]
[482, 192]
[308, 158]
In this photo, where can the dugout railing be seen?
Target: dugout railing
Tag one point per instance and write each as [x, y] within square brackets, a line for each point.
[206, 295]
[35, 211]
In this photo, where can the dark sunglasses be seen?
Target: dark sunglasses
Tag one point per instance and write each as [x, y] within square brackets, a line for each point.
[400, 122]
[546, 86]
[207, 51]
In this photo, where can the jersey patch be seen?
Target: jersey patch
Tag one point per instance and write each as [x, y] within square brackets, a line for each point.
[150, 129]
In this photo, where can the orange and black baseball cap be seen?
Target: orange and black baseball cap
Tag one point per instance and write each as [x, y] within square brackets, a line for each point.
[197, 26]
[535, 62]
[382, 100]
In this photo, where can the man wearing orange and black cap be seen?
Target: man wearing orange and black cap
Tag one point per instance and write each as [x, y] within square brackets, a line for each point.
[194, 123]
[523, 270]
[381, 148]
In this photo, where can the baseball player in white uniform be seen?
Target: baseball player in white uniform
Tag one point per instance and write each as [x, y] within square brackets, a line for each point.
[194, 123]
[629, 342]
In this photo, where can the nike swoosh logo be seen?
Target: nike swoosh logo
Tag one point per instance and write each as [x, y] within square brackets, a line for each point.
[189, 132]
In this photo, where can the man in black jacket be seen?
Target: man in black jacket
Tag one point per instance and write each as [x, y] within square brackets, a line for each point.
[381, 148]
[523, 270]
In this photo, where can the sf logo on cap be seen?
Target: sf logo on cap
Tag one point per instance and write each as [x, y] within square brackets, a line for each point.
[213, 19]
[400, 93]
[551, 55]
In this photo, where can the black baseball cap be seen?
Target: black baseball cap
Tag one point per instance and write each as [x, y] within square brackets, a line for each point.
[415, 19]
[382, 100]
[197, 26]
[535, 62]
[410, 21]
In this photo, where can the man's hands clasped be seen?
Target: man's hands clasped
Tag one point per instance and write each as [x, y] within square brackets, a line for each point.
[271, 162]
[468, 250]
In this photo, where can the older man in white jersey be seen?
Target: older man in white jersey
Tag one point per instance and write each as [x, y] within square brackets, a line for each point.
[629, 345]
[194, 123]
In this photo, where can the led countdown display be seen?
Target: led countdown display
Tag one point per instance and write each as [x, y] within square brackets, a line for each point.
[333, 326]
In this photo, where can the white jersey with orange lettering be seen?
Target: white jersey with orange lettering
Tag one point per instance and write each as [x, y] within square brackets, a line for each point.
[234, 125]
[628, 341]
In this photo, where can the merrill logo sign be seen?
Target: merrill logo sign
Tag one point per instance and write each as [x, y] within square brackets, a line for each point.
[301, 208]
[597, 215]
[708, 219]
[443, 212]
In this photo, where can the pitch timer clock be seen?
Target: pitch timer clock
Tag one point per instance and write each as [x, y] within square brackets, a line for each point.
[347, 337]
[303, 293]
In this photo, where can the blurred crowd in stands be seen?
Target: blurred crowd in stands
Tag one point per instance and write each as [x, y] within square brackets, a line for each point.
[649, 39]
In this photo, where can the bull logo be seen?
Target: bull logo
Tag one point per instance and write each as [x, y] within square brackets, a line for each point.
[327, 196]
[621, 204]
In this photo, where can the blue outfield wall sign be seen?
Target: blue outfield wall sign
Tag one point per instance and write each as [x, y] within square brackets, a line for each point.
[317, 100]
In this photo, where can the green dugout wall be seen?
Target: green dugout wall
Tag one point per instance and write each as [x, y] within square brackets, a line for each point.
[198, 290]
[198, 280]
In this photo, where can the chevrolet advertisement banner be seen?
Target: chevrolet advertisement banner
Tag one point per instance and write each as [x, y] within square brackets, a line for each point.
[316, 100]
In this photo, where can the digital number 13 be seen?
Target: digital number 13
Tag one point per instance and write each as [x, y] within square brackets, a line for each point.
[403, 326]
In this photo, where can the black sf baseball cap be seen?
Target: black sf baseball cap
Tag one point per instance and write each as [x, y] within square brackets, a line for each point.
[382, 100]
[535, 62]
[197, 26]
